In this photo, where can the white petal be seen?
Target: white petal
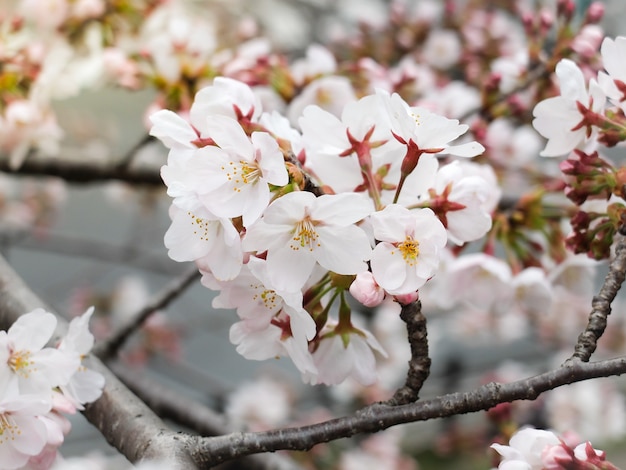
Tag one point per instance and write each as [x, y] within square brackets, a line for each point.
[343, 250]
[388, 266]
[172, 130]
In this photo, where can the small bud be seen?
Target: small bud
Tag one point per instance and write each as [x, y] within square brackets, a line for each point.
[406, 299]
[366, 290]
[595, 12]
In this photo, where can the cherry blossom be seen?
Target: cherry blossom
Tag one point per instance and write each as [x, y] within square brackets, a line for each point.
[24, 359]
[85, 386]
[526, 446]
[411, 242]
[558, 119]
[342, 355]
[422, 131]
[22, 434]
[201, 236]
[299, 230]
[232, 179]
[225, 97]
[463, 202]
[344, 152]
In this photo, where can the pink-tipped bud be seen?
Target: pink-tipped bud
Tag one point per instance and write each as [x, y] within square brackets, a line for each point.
[595, 12]
[365, 289]
[546, 19]
[406, 299]
[566, 9]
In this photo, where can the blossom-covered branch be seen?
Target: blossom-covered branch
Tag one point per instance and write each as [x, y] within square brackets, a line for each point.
[124, 420]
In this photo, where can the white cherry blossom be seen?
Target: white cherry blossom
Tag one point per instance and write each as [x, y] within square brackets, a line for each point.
[340, 356]
[22, 434]
[332, 143]
[86, 385]
[200, 236]
[409, 249]
[557, 118]
[427, 132]
[26, 361]
[225, 97]
[232, 179]
[299, 230]
[472, 195]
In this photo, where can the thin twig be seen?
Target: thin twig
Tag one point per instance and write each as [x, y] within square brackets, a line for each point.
[601, 305]
[419, 364]
[111, 345]
[128, 157]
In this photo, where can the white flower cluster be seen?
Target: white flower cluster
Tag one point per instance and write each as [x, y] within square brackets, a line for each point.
[38, 384]
[280, 254]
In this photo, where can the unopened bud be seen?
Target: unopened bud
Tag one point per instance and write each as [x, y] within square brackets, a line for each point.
[595, 12]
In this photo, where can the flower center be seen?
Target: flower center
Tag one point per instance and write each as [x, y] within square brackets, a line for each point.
[20, 362]
[410, 250]
[242, 173]
[201, 226]
[305, 235]
[8, 429]
[267, 297]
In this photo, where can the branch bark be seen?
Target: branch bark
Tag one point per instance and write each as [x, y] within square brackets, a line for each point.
[419, 364]
[601, 305]
[123, 419]
[374, 418]
[83, 172]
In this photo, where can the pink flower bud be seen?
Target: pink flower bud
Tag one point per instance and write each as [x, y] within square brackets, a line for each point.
[365, 290]
[595, 12]
[556, 457]
[406, 299]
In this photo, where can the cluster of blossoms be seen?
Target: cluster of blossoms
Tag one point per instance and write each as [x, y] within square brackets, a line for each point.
[283, 222]
[536, 449]
[38, 384]
[589, 112]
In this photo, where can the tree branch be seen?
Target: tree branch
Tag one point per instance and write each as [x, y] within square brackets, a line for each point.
[83, 171]
[124, 420]
[212, 451]
[116, 340]
[601, 305]
[419, 364]
[192, 414]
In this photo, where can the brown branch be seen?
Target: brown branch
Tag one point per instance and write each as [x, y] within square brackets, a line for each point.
[419, 364]
[601, 305]
[83, 172]
[192, 414]
[212, 451]
[116, 340]
[124, 420]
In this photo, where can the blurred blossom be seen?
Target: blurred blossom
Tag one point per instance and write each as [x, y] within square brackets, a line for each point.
[258, 406]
